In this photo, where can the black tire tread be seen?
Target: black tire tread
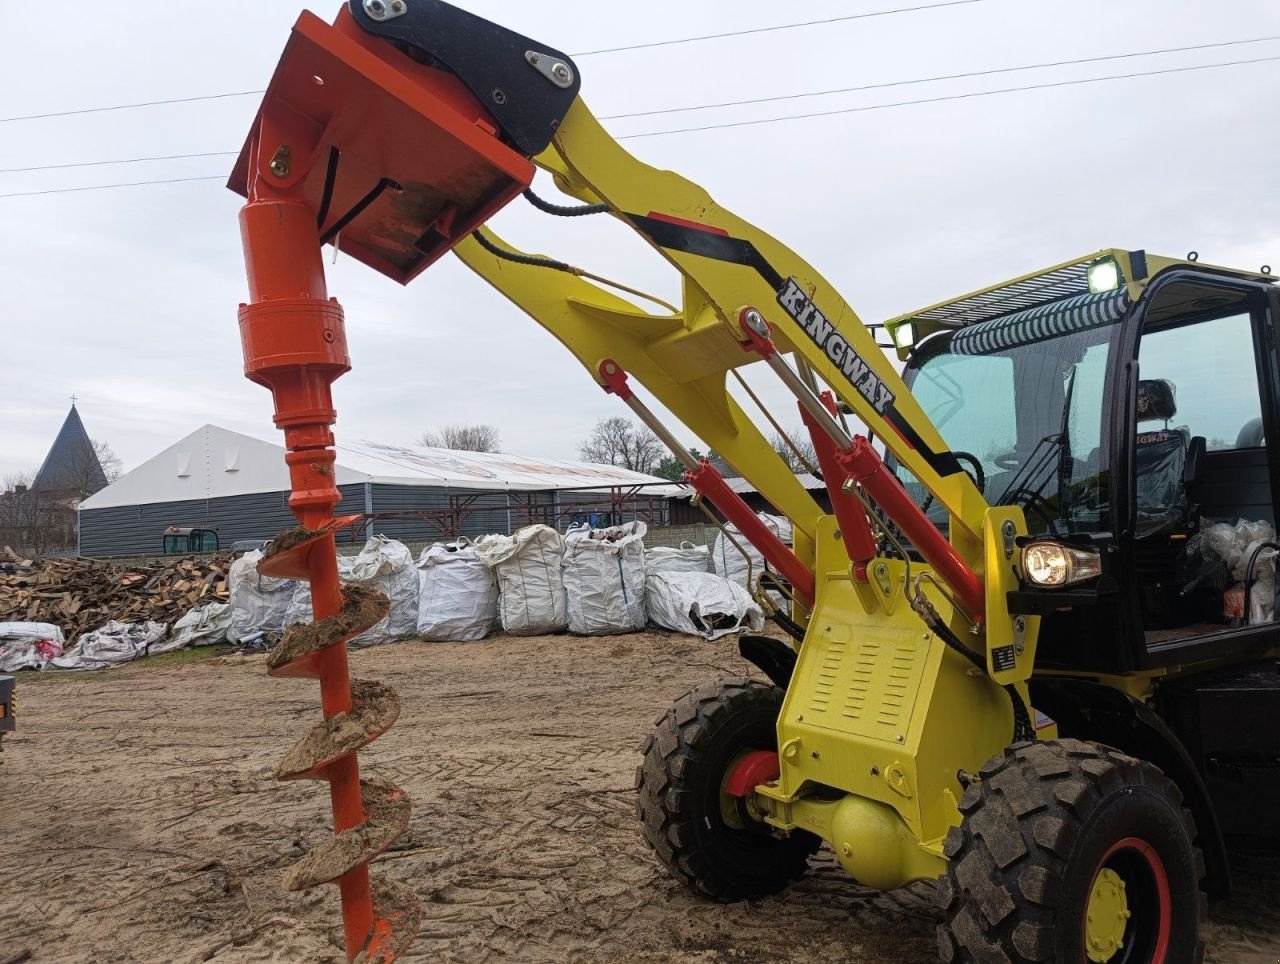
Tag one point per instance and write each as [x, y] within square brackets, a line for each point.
[1020, 823]
[672, 752]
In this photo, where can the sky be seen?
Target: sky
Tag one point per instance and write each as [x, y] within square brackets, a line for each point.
[127, 298]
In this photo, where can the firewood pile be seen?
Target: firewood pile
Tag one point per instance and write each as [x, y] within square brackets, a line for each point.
[79, 595]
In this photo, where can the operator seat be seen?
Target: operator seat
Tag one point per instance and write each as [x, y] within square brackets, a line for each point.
[1166, 462]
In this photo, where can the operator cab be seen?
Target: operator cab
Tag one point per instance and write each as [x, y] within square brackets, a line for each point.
[1129, 424]
[179, 540]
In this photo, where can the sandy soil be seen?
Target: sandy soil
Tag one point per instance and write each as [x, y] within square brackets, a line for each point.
[139, 820]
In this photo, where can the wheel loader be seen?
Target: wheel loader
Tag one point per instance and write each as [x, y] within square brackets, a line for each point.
[1031, 649]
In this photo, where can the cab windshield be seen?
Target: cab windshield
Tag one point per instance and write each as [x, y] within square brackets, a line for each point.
[1020, 403]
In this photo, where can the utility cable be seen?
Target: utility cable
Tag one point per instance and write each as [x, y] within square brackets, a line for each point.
[948, 97]
[940, 77]
[561, 210]
[773, 29]
[106, 187]
[776, 120]
[126, 160]
[585, 53]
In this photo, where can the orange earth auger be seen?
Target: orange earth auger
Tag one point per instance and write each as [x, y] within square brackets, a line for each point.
[393, 162]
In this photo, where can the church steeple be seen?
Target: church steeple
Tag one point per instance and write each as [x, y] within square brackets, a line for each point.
[72, 466]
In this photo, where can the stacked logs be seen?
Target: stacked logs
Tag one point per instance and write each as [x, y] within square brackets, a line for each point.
[79, 595]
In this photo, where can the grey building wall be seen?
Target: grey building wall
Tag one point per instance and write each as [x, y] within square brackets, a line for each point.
[139, 529]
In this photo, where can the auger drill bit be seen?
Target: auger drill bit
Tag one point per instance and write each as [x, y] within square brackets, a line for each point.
[294, 344]
[366, 140]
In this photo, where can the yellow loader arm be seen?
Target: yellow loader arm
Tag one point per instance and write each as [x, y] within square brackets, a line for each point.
[727, 265]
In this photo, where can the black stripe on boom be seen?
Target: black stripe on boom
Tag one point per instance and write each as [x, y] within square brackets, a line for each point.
[706, 244]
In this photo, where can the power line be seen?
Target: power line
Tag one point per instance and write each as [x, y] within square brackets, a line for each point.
[145, 103]
[764, 100]
[126, 160]
[767, 120]
[942, 99]
[940, 77]
[104, 187]
[783, 26]
[585, 53]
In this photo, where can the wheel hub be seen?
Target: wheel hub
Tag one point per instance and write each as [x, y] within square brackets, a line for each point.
[1107, 916]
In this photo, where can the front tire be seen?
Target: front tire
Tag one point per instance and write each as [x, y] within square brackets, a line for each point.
[1070, 851]
[707, 840]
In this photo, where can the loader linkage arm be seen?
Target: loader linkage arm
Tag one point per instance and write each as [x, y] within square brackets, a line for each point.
[395, 134]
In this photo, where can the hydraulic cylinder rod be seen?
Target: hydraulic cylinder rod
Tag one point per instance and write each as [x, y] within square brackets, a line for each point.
[710, 484]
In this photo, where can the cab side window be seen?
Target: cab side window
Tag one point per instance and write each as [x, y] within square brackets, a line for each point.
[1211, 367]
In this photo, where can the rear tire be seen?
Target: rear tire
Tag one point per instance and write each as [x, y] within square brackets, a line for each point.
[710, 843]
[1071, 851]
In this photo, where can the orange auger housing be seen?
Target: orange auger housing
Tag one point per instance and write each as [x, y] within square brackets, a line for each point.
[394, 162]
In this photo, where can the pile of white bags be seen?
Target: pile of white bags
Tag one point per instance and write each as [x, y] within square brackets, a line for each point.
[258, 603]
[729, 559]
[1235, 545]
[701, 604]
[457, 594]
[206, 626]
[604, 579]
[688, 558]
[113, 645]
[28, 645]
[385, 565]
[527, 566]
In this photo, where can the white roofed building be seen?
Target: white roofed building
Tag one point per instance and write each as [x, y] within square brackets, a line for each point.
[239, 486]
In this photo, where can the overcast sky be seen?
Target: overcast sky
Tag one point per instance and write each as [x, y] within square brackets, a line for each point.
[127, 298]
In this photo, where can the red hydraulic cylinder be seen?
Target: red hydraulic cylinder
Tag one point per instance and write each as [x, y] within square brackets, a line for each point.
[863, 464]
[855, 530]
[295, 345]
[711, 485]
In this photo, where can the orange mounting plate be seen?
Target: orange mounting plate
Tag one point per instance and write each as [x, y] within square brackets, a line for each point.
[414, 131]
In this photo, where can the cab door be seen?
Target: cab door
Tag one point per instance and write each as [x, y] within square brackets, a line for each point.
[1203, 406]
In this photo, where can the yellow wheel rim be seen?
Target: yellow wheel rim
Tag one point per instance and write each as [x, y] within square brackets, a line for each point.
[1107, 916]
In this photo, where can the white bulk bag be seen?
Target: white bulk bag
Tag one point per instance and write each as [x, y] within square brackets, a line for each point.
[688, 558]
[604, 579]
[28, 645]
[258, 603]
[457, 594]
[385, 565]
[701, 604]
[113, 645]
[729, 560]
[527, 565]
[206, 626]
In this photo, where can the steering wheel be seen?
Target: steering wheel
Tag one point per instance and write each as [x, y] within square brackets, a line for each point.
[978, 475]
[1009, 461]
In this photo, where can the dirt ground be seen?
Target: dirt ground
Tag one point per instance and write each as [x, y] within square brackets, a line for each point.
[139, 820]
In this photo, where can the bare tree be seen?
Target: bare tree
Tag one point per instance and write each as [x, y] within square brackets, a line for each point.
[30, 521]
[87, 471]
[796, 449]
[112, 466]
[463, 438]
[624, 443]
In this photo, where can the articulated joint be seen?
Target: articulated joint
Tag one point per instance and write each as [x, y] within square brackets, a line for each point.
[759, 336]
[614, 380]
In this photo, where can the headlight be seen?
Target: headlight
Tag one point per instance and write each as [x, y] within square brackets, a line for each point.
[1050, 565]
